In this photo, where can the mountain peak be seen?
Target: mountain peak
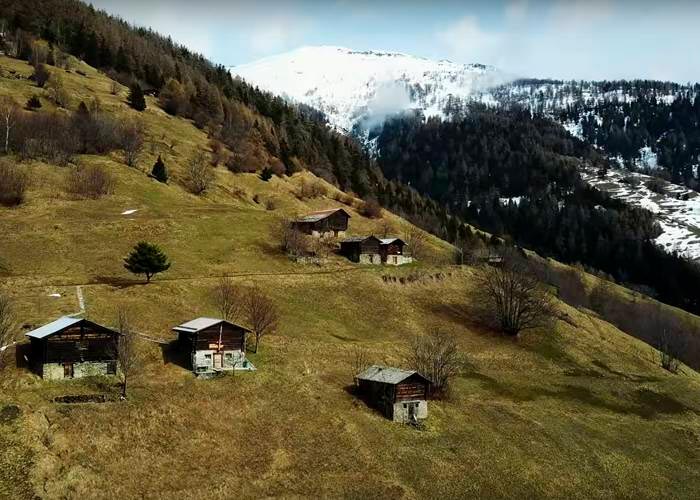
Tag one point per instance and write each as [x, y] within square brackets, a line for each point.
[354, 87]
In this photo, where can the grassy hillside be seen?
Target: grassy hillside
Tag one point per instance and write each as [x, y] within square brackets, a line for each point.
[582, 411]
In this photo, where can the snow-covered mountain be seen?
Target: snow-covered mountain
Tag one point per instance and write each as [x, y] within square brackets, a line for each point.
[362, 88]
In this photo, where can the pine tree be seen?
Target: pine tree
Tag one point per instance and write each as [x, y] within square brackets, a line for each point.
[266, 174]
[159, 172]
[147, 258]
[136, 98]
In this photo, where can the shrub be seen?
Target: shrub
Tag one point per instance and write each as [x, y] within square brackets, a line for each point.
[33, 103]
[40, 76]
[91, 181]
[266, 174]
[371, 208]
[13, 184]
[271, 204]
[311, 189]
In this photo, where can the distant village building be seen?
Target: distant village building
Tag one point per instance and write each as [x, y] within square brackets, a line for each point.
[214, 345]
[372, 250]
[364, 250]
[399, 394]
[332, 222]
[73, 348]
[392, 251]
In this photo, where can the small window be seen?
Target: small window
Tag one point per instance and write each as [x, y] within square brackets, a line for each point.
[207, 356]
[229, 355]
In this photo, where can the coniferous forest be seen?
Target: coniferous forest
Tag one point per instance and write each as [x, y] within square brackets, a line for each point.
[515, 175]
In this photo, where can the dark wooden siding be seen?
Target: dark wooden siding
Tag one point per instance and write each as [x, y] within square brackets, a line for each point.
[232, 338]
[370, 246]
[410, 390]
[81, 342]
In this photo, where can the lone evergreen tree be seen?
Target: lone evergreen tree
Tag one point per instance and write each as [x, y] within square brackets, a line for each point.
[136, 98]
[159, 172]
[266, 174]
[147, 258]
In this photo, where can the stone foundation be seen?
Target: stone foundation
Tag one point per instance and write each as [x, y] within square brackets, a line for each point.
[401, 410]
[56, 371]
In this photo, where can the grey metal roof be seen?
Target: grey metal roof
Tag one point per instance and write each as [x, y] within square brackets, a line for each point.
[54, 327]
[199, 324]
[389, 241]
[320, 215]
[354, 239]
[386, 375]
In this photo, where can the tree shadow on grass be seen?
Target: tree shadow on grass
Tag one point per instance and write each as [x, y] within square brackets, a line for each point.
[116, 282]
[644, 403]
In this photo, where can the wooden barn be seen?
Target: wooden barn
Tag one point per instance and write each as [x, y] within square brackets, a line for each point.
[364, 250]
[73, 348]
[213, 345]
[332, 222]
[393, 252]
[401, 395]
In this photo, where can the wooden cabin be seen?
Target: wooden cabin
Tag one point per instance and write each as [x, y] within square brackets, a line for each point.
[213, 345]
[393, 252]
[332, 222]
[400, 395]
[364, 250]
[73, 348]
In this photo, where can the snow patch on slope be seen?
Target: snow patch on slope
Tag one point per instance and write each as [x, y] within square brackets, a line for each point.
[677, 209]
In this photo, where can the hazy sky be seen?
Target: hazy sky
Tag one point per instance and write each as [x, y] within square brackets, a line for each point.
[590, 39]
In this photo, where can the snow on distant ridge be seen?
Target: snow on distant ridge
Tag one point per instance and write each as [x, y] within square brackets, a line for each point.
[364, 87]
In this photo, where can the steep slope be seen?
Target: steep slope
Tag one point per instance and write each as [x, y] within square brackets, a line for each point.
[360, 89]
[583, 405]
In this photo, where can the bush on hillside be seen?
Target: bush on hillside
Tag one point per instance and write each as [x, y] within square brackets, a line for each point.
[33, 103]
[266, 174]
[14, 182]
[371, 208]
[90, 181]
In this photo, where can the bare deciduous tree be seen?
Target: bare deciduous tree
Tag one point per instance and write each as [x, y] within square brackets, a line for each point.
[229, 299]
[437, 357]
[7, 325]
[57, 91]
[358, 358]
[261, 313]
[293, 242]
[198, 174]
[8, 114]
[509, 296]
[126, 348]
[131, 141]
[416, 241]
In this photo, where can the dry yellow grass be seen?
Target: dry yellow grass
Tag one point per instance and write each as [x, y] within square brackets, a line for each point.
[582, 411]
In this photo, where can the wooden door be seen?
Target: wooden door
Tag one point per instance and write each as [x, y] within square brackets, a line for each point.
[68, 370]
[218, 360]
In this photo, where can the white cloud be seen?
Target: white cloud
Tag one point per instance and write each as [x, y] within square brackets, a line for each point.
[277, 34]
[466, 40]
[587, 39]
